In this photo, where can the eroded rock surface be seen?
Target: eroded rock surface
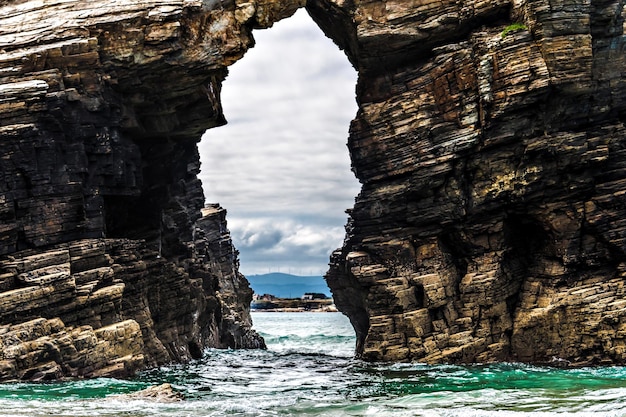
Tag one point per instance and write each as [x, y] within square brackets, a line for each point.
[110, 307]
[163, 393]
[490, 225]
[108, 263]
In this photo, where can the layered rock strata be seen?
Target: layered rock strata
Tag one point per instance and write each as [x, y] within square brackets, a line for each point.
[110, 307]
[490, 225]
[107, 262]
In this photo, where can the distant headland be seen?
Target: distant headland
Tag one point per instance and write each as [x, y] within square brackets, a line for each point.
[286, 285]
[285, 292]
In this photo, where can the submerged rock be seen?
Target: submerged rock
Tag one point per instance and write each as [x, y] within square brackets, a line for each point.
[163, 393]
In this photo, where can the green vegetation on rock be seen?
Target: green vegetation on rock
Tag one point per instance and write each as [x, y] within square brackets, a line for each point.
[513, 28]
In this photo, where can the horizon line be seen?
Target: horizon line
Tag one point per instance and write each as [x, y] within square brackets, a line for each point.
[311, 274]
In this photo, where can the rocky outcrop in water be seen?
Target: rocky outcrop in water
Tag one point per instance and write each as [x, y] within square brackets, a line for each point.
[110, 307]
[490, 146]
[489, 142]
[108, 263]
[163, 393]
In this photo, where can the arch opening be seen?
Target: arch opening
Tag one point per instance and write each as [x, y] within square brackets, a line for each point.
[281, 166]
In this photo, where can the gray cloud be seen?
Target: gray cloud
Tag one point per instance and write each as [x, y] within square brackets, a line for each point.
[286, 245]
[281, 167]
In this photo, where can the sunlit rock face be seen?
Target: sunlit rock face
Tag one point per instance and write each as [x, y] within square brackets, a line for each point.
[491, 223]
[109, 260]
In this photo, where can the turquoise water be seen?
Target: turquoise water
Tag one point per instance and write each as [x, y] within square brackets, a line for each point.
[308, 370]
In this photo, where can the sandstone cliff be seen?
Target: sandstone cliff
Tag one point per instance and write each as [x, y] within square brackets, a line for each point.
[490, 225]
[108, 263]
[491, 221]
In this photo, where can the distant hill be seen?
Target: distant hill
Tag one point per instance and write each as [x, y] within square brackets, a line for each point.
[287, 285]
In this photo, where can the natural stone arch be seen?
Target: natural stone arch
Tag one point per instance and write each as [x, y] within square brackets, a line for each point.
[464, 137]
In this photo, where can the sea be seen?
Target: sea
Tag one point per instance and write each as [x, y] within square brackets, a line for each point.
[309, 370]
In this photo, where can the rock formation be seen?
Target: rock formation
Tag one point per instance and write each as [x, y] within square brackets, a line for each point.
[108, 263]
[163, 393]
[490, 225]
[490, 145]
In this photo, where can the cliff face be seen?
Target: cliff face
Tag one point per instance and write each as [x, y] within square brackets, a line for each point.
[490, 225]
[108, 263]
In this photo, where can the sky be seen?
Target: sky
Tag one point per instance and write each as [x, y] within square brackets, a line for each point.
[280, 167]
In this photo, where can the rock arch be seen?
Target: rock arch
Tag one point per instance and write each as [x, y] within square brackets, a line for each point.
[470, 131]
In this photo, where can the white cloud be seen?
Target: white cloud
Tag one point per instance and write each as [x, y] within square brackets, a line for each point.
[281, 166]
[271, 244]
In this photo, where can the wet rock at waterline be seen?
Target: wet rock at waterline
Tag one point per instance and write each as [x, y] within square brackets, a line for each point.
[163, 393]
[488, 142]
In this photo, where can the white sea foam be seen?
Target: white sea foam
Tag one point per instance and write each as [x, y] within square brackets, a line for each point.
[308, 370]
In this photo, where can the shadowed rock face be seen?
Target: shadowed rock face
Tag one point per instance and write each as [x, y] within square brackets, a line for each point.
[490, 225]
[109, 260]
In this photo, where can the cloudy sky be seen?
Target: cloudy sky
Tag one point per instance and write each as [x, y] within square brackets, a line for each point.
[281, 166]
